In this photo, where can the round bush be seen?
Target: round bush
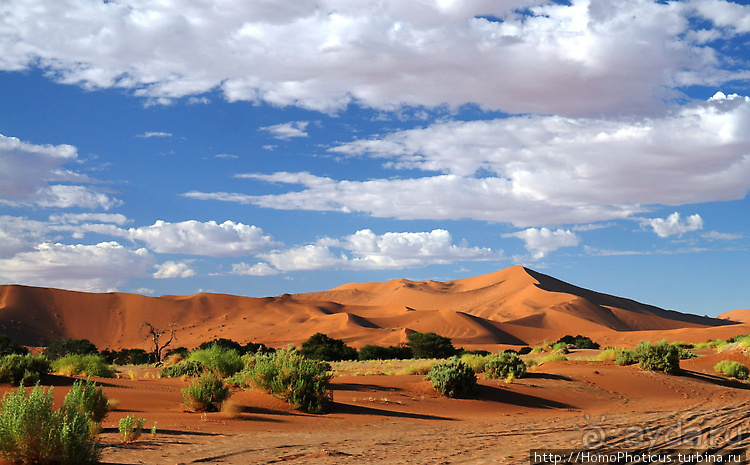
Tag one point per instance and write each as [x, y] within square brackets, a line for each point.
[289, 375]
[224, 362]
[205, 394]
[505, 366]
[732, 369]
[453, 378]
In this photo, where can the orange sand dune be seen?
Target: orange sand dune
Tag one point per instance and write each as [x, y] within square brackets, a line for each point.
[514, 306]
[742, 315]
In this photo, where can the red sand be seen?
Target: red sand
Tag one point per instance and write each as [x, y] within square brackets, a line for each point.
[399, 419]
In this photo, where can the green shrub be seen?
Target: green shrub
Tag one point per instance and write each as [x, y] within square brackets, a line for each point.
[89, 365]
[608, 355]
[626, 357]
[685, 354]
[661, 356]
[22, 369]
[205, 394]
[321, 347]
[192, 368]
[223, 362]
[579, 342]
[289, 375]
[430, 345]
[505, 365]
[475, 361]
[732, 369]
[452, 378]
[524, 350]
[374, 352]
[8, 347]
[130, 428]
[31, 432]
[553, 358]
[87, 399]
[63, 347]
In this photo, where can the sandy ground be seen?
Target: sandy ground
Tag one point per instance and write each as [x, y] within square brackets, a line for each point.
[399, 419]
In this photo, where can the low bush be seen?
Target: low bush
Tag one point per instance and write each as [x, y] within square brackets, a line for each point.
[31, 432]
[430, 345]
[579, 342]
[475, 361]
[626, 357]
[130, 428]
[192, 368]
[732, 369]
[205, 394]
[661, 356]
[88, 365]
[608, 355]
[22, 369]
[452, 378]
[374, 352]
[321, 347]
[685, 354]
[88, 399]
[222, 361]
[289, 375]
[553, 358]
[505, 365]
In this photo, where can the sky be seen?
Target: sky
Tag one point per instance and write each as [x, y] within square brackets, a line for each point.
[267, 147]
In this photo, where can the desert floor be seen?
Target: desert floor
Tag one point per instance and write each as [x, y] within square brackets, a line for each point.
[399, 419]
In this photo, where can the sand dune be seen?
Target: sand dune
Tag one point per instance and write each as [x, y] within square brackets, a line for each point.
[514, 306]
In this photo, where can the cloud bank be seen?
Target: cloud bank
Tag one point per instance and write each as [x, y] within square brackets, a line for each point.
[537, 170]
[589, 57]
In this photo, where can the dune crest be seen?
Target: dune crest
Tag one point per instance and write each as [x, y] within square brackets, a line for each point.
[513, 306]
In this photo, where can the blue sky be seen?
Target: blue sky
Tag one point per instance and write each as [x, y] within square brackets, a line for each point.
[258, 148]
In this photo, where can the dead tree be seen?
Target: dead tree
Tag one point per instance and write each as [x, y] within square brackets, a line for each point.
[156, 335]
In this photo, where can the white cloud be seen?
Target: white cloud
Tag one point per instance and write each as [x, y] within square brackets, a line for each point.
[542, 241]
[226, 156]
[77, 218]
[365, 250]
[720, 236]
[172, 269]
[197, 238]
[674, 225]
[30, 172]
[259, 269]
[148, 135]
[287, 131]
[539, 170]
[92, 268]
[589, 57]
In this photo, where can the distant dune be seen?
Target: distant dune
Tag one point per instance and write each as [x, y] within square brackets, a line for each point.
[514, 306]
[742, 315]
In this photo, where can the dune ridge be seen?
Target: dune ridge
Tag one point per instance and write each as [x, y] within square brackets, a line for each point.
[513, 306]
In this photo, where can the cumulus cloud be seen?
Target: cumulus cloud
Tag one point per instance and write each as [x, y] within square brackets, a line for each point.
[287, 131]
[92, 268]
[590, 57]
[365, 250]
[31, 175]
[674, 224]
[538, 170]
[198, 238]
[540, 242]
[172, 269]
[258, 269]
